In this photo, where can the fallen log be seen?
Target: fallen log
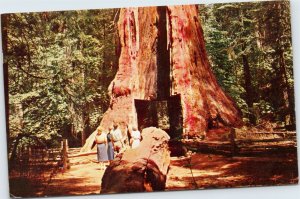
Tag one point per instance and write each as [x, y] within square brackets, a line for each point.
[141, 169]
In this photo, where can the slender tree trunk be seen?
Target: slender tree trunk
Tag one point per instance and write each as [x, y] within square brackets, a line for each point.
[104, 54]
[249, 89]
[85, 111]
[4, 23]
[287, 99]
[13, 155]
[85, 124]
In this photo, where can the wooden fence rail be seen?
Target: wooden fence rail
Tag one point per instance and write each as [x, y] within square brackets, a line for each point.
[29, 160]
[253, 143]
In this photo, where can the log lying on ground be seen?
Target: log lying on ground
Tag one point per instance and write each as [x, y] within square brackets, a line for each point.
[142, 169]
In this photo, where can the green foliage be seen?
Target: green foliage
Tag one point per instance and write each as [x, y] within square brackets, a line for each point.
[61, 63]
[260, 33]
[59, 66]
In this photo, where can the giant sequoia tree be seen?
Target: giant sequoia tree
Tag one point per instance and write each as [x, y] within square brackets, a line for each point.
[162, 55]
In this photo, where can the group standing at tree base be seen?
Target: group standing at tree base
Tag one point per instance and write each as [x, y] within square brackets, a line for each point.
[111, 143]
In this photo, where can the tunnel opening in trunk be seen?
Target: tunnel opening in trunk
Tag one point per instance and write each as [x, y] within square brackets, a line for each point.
[163, 114]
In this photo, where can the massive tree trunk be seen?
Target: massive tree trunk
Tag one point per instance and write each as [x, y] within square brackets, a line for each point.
[163, 54]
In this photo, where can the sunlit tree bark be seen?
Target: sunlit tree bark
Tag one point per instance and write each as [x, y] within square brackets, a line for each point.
[154, 68]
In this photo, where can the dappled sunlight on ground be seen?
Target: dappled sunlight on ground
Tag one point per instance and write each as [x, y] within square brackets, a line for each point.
[217, 171]
[83, 178]
[198, 171]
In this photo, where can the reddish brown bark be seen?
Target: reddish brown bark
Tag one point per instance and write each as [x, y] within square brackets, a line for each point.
[140, 170]
[202, 99]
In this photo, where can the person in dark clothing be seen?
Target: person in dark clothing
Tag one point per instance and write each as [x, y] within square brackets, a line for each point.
[110, 145]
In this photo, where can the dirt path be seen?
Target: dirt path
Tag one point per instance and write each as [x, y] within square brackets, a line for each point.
[83, 178]
[199, 171]
[216, 171]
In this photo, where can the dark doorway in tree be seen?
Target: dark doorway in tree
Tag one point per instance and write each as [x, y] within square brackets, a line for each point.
[163, 114]
[176, 116]
[146, 113]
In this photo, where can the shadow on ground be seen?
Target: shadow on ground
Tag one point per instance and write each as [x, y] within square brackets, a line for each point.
[202, 171]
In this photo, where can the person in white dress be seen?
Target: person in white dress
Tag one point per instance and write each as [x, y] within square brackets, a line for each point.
[135, 138]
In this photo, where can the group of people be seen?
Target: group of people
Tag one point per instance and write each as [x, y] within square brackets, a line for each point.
[113, 142]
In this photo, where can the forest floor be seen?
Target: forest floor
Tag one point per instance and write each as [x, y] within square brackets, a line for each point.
[202, 171]
[197, 171]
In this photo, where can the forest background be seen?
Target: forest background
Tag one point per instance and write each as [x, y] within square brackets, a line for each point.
[59, 65]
